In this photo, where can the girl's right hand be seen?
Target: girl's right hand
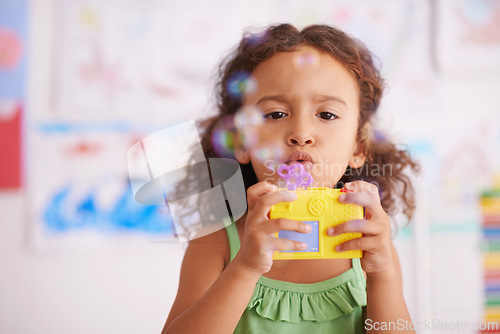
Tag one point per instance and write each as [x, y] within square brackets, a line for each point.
[259, 242]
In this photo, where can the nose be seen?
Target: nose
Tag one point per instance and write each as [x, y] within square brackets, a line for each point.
[300, 132]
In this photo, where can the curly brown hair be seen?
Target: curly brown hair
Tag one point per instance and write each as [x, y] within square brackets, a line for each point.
[395, 186]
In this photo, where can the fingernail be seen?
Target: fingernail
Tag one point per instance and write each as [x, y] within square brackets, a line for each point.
[338, 248]
[330, 231]
[303, 245]
[308, 227]
[342, 197]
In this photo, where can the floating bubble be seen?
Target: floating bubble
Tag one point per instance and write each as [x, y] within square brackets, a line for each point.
[379, 136]
[306, 59]
[248, 116]
[241, 83]
[249, 138]
[247, 120]
[266, 154]
[256, 38]
[223, 137]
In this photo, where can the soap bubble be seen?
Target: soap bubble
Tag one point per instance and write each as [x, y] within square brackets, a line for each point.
[248, 116]
[267, 154]
[241, 83]
[256, 38]
[223, 137]
[249, 137]
[306, 59]
[379, 136]
[247, 120]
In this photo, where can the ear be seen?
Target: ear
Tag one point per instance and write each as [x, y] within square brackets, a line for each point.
[240, 152]
[242, 155]
[359, 157]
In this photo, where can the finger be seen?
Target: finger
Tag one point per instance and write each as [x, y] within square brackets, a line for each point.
[288, 245]
[263, 205]
[258, 190]
[367, 227]
[369, 200]
[361, 186]
[283, 224]
[362, 243]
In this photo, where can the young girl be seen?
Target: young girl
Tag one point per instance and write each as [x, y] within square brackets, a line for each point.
[317, 90]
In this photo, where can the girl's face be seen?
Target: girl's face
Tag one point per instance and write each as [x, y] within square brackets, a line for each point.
[309, 102]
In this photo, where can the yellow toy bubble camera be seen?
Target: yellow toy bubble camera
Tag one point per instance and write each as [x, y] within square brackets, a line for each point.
[320, 208]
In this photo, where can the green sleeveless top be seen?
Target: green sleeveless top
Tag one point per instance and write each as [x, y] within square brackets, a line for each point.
[331, 306]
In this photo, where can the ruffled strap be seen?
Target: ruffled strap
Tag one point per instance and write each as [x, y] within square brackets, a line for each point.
[322, 301]
[234, 239]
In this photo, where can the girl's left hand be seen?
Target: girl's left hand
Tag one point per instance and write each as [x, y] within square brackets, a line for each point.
[376, 241]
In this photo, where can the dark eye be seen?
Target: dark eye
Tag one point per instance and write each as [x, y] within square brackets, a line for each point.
[327, 115]
[275, 115]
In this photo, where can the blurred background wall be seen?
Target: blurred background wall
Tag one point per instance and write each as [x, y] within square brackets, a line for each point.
[81, 81]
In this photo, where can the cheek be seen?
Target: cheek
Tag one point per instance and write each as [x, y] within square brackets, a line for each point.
[265, 171]
[339, 142]
[266, 145]
[347, 136]
[250, 138]
[331, 170]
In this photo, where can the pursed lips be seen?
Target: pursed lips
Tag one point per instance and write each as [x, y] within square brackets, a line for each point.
[301, 157]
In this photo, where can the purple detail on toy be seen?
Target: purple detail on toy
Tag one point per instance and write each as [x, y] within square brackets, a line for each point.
[306, 180]
[295, 176]
[284, 172]
[297, 170]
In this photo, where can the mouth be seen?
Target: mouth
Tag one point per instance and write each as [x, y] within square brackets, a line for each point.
[299, 157]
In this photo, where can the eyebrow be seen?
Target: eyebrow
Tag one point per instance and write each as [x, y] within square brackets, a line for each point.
[326, 98]
[279, 98]
[317, 98]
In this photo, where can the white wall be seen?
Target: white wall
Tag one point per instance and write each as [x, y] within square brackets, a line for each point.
[126, 290]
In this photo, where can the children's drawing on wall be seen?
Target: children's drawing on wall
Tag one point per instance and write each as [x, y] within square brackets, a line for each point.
[122, 64]
[469, 35]
[81, 191]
